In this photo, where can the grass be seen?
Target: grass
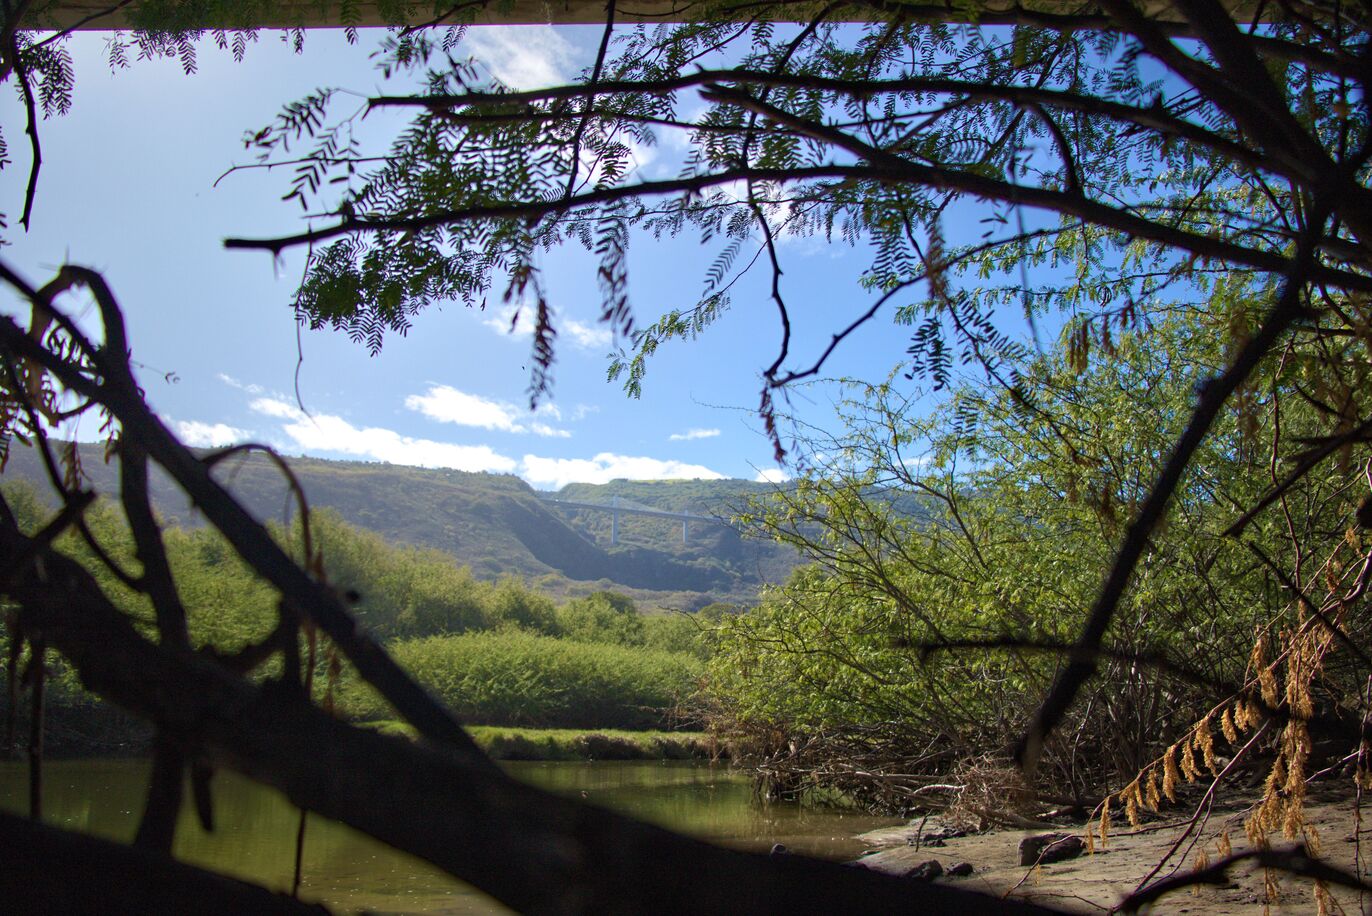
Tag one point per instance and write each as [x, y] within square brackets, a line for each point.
[503, 743]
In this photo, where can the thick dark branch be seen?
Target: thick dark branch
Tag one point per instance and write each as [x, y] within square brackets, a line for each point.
[31, 120]
[157, 577]
[905, 173]
[1152, 118]
[590, 97]
[157, 829]
[245, 533]
[1164, 20]
[1070, 175]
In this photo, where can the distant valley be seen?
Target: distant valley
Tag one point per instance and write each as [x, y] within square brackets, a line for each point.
[498, 525]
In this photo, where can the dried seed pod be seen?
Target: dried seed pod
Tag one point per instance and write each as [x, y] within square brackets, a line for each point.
[1227, 726]
[1170, 774]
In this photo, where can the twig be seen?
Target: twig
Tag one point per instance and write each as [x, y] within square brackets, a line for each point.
[590, 97]
[31, 114]
[1294, 860]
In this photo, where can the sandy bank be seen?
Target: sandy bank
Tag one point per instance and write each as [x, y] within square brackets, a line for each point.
[1096, 883]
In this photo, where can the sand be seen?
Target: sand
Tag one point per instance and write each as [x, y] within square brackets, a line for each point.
[1096, 883]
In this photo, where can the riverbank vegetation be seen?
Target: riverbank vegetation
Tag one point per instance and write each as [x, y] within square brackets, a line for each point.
[497, 653]
[899, 665]
[565, 744]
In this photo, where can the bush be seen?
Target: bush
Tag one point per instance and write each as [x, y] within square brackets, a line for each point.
[606, 617]
[521, 679]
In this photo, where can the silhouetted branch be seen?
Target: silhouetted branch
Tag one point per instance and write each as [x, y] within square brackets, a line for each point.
[21, 73]
[1150, 117]
[1307, 463]
[590, 96]
[894, 174]
[252, 541]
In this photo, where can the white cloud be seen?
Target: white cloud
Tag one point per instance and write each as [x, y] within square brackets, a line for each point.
[274, 407]
[327, 433]
[209, 435]
[521, 56]
[446, 404]
[772, 475]
[232, 382]
[693, 434]
[558, 472]
[585, 336]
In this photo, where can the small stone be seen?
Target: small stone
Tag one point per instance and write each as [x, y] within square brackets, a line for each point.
[926, 871]
[780, 849]
[1046, 848]
[960, 870]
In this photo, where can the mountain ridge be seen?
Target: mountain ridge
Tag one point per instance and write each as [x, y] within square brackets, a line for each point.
[498, 525]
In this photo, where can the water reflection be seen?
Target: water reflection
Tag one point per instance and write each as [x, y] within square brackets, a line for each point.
[255, 827]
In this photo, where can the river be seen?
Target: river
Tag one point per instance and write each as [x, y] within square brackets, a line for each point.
[255, 827]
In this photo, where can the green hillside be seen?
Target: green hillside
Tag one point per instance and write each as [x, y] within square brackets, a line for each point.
[498, 525]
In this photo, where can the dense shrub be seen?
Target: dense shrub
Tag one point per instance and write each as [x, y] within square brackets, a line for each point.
[607, 617]
[522, 679]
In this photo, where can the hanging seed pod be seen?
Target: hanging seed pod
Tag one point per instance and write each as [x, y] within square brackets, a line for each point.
[1170, 774]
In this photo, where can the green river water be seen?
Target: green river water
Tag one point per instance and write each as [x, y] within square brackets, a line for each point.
[255, 827]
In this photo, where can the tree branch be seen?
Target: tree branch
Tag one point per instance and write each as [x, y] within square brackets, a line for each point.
[903, 174]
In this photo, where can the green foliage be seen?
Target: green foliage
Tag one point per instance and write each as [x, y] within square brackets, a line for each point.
[601, 744]
[402, 591]
[828, 127]
[522, 679]
[605, 617]
[505, 743]
[616, 669]
[1022, 506]
[514, 605]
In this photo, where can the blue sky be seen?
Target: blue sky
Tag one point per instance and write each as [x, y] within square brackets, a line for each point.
[129, 187]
